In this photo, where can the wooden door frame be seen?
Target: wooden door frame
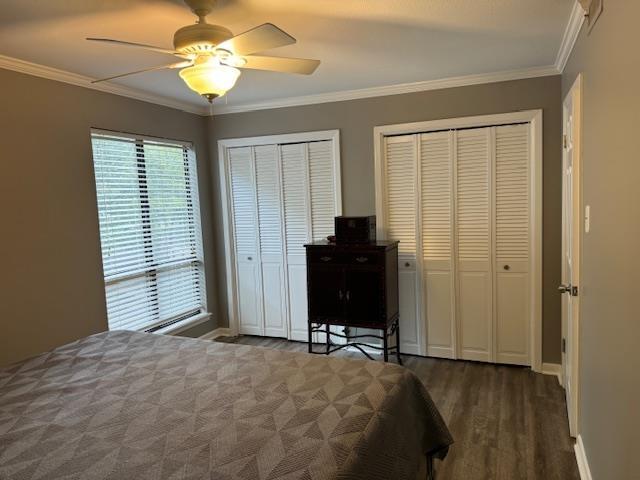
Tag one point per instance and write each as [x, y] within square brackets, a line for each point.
[575, 95]
[227, 214]
[534, 118]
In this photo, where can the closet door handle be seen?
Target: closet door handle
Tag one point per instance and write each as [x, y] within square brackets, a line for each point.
[340, 295]
[348, 295]
[325, 259]
[362, 259]
[249, 258]
[507, 267]
[407, 264]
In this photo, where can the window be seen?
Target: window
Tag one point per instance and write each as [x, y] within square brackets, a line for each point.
[149, 230]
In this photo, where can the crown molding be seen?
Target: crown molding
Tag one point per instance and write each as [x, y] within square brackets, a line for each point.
[571, 32]
[22, 66]
[382, 91]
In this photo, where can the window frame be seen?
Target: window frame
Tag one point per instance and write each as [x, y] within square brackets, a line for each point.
[176, 323]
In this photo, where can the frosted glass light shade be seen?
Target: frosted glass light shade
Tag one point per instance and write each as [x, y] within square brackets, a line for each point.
[210, 79]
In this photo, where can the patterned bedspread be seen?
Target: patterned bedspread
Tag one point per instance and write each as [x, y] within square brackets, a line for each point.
[126, 405]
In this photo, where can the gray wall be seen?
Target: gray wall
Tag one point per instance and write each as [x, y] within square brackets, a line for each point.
[51, 289]
[356, 119]
[609, 420]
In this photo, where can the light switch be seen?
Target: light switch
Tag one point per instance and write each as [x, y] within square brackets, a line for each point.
[587, 219]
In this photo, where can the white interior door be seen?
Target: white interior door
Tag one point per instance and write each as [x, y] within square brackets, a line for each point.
[512, 235]
[436, 199]
[571, 220]
[464, 202]
[245, 234]
[324, 201]
[270, 238]
[474, 247]
[401, 224]
[323, 193]
[297, 232]
[280, 193]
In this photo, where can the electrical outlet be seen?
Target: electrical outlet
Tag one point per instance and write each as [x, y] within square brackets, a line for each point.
[587, 219]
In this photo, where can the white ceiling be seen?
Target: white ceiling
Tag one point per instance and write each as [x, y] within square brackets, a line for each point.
[361, 43]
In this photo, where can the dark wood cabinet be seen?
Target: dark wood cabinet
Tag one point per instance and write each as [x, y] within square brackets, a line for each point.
[355, 286]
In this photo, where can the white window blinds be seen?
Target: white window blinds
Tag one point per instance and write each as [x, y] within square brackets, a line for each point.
[149, 229]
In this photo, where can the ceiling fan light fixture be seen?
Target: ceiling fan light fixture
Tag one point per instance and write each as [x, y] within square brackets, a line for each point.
[234, 61]
[209, 78]
[212, 54]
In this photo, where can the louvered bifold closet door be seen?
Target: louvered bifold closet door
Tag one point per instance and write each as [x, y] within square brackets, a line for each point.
[512, 244]
[270, 222]
[245, 233]
[323, 201]
[436, 198]
[322, 189]
[401, 210]
[297, 222]
[474, 251]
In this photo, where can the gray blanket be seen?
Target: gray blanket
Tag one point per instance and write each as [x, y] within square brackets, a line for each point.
[125, 405]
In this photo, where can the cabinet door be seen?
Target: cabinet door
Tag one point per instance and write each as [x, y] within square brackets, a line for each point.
[363, 296]
[326, 292]
[513, 302]
[473, 205]
[271, 240]
[245, 235]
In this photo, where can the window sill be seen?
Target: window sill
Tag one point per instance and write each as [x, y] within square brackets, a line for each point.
[185, 324]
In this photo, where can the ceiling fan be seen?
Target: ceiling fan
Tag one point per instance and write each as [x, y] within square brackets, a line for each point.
[211, 54]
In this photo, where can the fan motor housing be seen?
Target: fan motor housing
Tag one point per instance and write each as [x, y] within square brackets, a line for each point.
[200, 37]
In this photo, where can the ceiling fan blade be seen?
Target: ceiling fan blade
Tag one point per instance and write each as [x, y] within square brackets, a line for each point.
[161, 67]
[132, 44]
[257, 39]
[302, 66]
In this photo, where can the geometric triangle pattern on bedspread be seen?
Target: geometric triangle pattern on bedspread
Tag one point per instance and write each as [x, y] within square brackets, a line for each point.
[126, 405]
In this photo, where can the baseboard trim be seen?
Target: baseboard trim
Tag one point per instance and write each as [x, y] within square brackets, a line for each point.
[553, 369]
[581, 459]
[218, 332]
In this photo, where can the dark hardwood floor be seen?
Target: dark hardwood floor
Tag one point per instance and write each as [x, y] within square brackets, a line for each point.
[508, 422]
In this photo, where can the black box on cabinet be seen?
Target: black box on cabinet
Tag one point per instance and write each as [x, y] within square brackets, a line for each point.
[355, 229]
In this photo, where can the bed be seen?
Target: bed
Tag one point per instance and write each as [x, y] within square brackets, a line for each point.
[127, 405]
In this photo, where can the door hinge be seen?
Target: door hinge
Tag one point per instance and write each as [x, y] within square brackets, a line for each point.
[564, 345]
[564, 141]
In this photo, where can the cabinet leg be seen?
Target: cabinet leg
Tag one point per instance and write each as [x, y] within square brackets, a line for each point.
[310, 337]
[385, 344]
[430, 472]
[398, 343]
[328, 339]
